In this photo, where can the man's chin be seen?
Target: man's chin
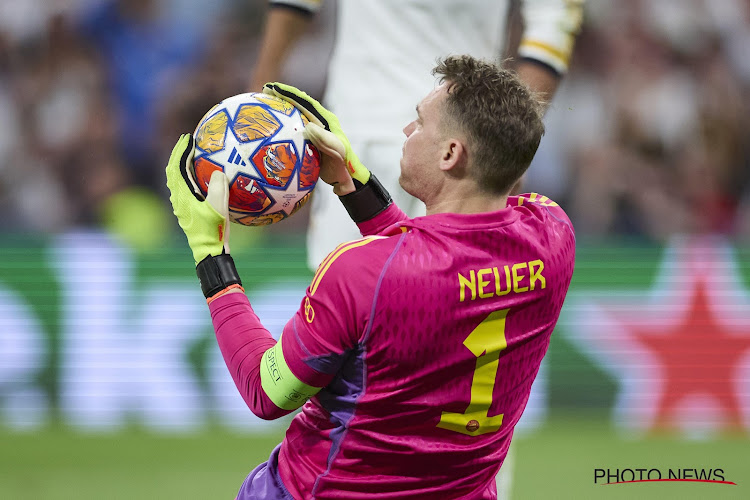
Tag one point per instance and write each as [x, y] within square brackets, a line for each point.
[402, 183]
[406, 187]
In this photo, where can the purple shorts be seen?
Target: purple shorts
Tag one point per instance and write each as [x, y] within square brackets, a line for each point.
[264, 483]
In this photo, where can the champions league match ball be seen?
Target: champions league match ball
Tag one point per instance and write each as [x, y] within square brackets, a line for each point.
[256, 139]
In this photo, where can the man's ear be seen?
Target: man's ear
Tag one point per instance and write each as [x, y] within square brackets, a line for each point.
[454, 155]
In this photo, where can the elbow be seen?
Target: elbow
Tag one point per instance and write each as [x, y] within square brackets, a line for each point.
[270, 413]
[263, 408]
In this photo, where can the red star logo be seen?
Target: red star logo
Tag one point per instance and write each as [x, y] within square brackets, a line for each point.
[682, 355]
[699, 357]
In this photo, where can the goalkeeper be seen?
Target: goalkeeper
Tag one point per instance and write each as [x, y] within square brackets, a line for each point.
[414, 349]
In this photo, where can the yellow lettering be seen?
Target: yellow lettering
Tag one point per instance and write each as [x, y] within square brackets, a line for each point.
[536, 274]
[479, 282]
[518, 277]
[498, 289]
[483, 283]
[471, 283]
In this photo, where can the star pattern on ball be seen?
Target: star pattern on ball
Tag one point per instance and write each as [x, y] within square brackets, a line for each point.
[243, 151]
[284, 200]
[263, 150]
[290, 130]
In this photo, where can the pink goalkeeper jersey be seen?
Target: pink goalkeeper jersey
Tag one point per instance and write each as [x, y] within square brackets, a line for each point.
[427, 335]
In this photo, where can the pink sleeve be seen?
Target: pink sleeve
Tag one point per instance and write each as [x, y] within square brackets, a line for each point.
[242, 340]
[336, 310]
[384, 219]
[316, 340]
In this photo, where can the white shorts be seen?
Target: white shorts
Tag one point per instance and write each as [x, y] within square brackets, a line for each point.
[330, 224]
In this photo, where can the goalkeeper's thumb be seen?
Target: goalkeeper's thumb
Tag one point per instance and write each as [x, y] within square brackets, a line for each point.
[218, 197]
[332, 146]
[326, 141]
[218, 193]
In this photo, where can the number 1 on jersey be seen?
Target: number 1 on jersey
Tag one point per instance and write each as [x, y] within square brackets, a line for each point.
[486, 342]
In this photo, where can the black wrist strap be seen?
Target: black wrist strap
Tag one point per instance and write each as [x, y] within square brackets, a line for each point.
[367, 201]
[216, 274]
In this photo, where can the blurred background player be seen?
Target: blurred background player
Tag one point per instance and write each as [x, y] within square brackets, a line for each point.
[380, 66]
[418, 344]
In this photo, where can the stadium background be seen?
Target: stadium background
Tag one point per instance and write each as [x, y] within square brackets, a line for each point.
[110, 383]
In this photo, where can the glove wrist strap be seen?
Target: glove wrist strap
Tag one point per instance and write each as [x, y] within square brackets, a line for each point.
[216, 274]
[367, 201]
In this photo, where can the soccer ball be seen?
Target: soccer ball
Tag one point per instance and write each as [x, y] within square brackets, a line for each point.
[256, 139]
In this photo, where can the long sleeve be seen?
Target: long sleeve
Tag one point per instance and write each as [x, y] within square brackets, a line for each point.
[243, 340]
[275, 379]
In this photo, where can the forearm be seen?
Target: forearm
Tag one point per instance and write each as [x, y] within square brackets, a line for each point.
[242, 341]
[550, 29]
[541, 79]
[283, 28]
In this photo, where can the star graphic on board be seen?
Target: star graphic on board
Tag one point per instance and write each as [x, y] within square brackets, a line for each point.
[681, 352]
[699, 356]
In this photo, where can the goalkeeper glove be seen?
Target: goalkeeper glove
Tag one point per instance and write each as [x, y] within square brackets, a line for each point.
[324, 131]
[204, 221]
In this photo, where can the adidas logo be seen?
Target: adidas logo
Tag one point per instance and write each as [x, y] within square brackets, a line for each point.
[236, 158]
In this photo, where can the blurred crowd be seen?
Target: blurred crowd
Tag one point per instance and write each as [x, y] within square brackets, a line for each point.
[647, 137]
[649, 134]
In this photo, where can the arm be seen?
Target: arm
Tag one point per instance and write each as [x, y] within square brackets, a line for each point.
[285, 24]
[277, 378]
[244, 342]
[272, 377]
[550, 28]
[540, 78]
[242, 339]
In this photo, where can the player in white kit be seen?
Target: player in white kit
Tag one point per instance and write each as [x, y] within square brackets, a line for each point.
[380, 67]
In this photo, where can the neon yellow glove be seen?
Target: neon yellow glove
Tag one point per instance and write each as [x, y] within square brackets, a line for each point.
[359, 191]
[204, 222]
[324, 129]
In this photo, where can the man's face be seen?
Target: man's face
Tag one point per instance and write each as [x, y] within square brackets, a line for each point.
[421, 153]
